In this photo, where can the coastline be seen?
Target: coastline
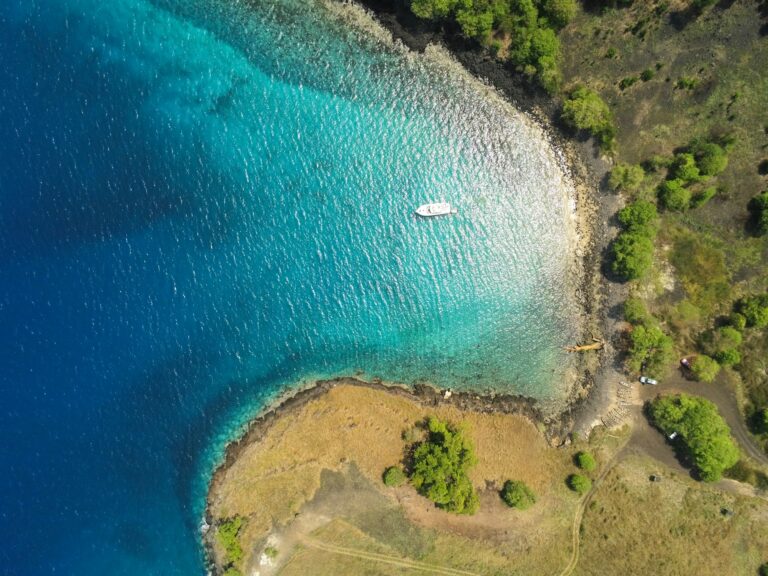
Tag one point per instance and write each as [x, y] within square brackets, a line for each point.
[590, 392]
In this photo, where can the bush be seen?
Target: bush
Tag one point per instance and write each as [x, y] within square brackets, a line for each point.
[738, 321]
[684, 168]
[232, 571]
[579, 484]
[730, 357]
[704, 368]
[517, 495]
[585, 110]
[586, 461]
[755, 310]
[559, 12]
[635, 311]
[393, 476]
[626, 177]
[226, 534]
[647, 74]
[701, 198]
[627, 82]
[705, 435]
[440, 466]
[640, 216]
[632, 255]
[650, 350]
[674, 196]
[711, 158]
[764, 569]
[758, 208]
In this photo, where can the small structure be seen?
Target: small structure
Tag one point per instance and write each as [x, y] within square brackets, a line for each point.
[654, 478]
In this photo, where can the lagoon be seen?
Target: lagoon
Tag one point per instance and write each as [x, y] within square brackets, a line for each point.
[202, 202]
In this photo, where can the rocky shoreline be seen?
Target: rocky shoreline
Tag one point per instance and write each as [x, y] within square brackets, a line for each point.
[589, 395]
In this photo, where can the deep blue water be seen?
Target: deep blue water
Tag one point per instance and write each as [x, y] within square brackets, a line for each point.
[203, 201]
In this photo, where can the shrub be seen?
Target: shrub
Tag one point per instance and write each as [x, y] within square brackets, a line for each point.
[738, 321]
[559, 12]
[226, 534]
[711, 158]
[686, 83]
[393, 476]
[586, 461]
[270, 552]
[704, 433]
[684, 168]
[701, 198]
[650, 350]
[627, 82]
[632, 255]
[647, 74]
[758, 208]
[579, 484]
[635, 311]
[704, 368]
[755, 310]
[517, 495]
[626, 177]
[640, 216]
[232, 571]
[585, 110]
[764, 569]
[730, 357]
[674, 196]
[440, 466]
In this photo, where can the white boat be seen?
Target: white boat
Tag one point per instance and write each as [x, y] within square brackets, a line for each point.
[435, 209]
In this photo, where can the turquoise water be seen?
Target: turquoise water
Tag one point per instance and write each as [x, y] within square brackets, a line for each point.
[204, 201]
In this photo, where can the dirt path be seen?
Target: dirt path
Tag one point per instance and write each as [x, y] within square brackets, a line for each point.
[725, 400]
[578, 517]
[392, 560]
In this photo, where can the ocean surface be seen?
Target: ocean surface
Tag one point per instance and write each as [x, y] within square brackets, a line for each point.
[202, 202]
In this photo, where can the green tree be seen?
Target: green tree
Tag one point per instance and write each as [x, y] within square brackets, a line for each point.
[440, 466]
[626, 177]
[704, 433]
[516, 494]
[640, 216]
[433, 9]
[226, 534]
[758, 208]
[232, 571]
[394, 476]
[579, 484]
[730, 357]
[755, 310]
[586, 461]
[559, 12]
[632, 255]
[635, 311]
[711, 158]
[738, 321]
[674, 196]
[650, 350]
[684, 168]
[585, 110]
[704, 368]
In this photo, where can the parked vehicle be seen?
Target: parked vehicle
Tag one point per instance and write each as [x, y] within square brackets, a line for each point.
[648, 380]
[673, 436]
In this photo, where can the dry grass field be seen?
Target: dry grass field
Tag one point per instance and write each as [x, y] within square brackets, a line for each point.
[311, 491]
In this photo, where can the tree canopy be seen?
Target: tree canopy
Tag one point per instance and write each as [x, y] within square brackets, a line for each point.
[440, 466]
[704, 368]
[755, 310]
[632, 255]
[673, 195]
[703, 432]
[517, 495]
[585, 110]
[650, 350]
[579, 483]
[626, 177]
[758, 208]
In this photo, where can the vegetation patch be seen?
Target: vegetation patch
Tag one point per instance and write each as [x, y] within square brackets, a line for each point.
[394, 476]
[586, 461]
[704, 434]
[585, 110]
[440, 466]
[579, 483]
[226, 535]
[516, 494]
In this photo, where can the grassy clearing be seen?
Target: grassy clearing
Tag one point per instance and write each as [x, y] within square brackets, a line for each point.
[272, 480]
[634, 526]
